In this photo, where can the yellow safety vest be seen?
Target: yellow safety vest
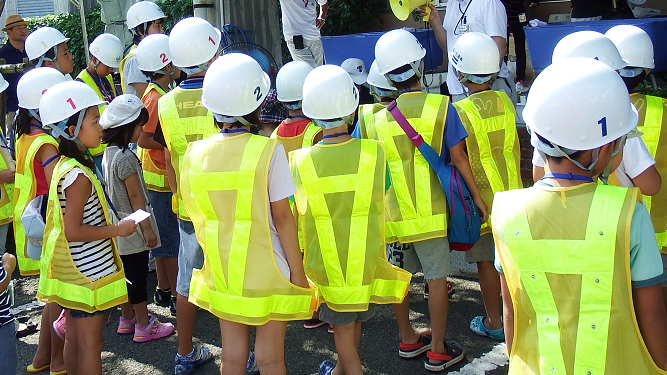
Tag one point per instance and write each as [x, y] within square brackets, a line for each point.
[366, 114]
[305, 139]
[25, 187]
[59, 280]
[416, 205]
[341, 209]
[492, 143]
[154, 177]
[6, 190]
[570, 280]
[227, 201]
[652, 111]
[86, 78]
[121, 67]
[183, 120]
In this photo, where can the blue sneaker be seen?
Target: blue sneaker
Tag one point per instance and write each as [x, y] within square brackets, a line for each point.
[185, 364]
[477, 326]
[251, 365]
[325, 368]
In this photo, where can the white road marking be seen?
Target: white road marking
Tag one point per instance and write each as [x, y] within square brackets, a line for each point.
[489, 361]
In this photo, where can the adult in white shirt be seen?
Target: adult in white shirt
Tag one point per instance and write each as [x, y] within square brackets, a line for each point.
[463, 16]
[301, 28]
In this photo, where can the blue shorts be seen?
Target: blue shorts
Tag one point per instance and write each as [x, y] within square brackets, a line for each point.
[167, 223]
[190, 256]
[9, 356]
[83, 314]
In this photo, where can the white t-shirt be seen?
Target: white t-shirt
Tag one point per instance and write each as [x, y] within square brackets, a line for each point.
[483, 16]
[636, 159]
[132, 74]
[299, 18]
[280, 186]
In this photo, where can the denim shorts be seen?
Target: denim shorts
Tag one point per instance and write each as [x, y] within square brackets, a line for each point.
[9, 355]
[430, 256]
[343, 318]
[167, 223]
[190, 256]
[83, 314]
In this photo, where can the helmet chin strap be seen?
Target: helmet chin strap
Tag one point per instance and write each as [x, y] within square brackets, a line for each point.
[43, 58]
[35, 113]
[401, 77]
[60, 129]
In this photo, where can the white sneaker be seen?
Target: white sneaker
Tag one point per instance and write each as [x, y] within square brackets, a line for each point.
[521, 87]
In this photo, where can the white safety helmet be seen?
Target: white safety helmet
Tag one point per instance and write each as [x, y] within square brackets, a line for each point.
[578, 104]
[153, 53]
[635, 47]
[143, 12]
[108, 49]
[41, 41]
[329, 94]
[397, 48]
[290, 79]
[64, 100]
[356, 69]
[33, 84]
[591, 44]
[3, 84]
[475, 53]
[193, 42]
[378, 80]
[234, 85]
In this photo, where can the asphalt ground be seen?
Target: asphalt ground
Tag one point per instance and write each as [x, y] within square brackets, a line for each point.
[304, 349]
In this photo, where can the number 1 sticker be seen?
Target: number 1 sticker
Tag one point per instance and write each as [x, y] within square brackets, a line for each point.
[71, 102]
[603, 124]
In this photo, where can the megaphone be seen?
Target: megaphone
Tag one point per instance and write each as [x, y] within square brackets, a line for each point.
[403, 8]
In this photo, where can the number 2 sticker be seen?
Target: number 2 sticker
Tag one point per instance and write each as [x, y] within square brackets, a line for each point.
[164, 57]
[603, 124]
[258, 92]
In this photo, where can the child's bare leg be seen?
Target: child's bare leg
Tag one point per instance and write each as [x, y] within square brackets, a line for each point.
[270, 348]
[166, 269]
[489, 284]
[57, 344]
[70, 351]
[126, 310]
[185, 323]
[235, 339]
[141, 312]
[347, 339]
[438, 305]
[664, 296]
[43, 355]
[89, 344]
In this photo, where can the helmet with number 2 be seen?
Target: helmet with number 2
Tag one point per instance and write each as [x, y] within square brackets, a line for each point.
[153, 53]
[235, 85]
[63, 101]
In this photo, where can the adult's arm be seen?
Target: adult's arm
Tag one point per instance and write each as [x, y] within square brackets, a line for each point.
[436, 24]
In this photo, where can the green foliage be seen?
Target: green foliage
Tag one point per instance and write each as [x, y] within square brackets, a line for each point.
[70, 25]
[646, 89]
[175, 10]
[350, 16]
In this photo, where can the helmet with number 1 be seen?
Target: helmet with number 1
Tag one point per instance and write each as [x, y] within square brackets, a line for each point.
[34, 83]
[635, 47]
[329, 93]
[579, 104]
[153, 53]
[41, 41]
[378, 80]
[591, 44]
[143, 12]
[108, 49]
[63, 101]
[234, 85]
[290, 79]
[397, 48]
[193, 41]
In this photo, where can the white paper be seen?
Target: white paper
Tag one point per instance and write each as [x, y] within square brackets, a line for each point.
[138, 216]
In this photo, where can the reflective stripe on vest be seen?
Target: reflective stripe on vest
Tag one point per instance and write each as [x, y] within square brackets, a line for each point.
[121, 67]
[305, 139]
[361, 273]
[25, 187]
[154, 177]
[59, 280]
[656, 142]
[88, 80]
[228, 205]
[6, 190]
[493, 147]
[366, 113]
[183, 120]
[569, 282]
[416, 204]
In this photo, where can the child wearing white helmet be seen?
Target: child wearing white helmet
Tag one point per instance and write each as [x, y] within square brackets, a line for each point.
[485, 113]
[122, 121]
[421, 241]
[193, 45]
[143, 18]
[236, 188]
[636, 47]
[47, 46]
[106, 51]
[579, 261]
[36, 153]
[383, 92]
[356, 68]
[154, 60]
[343, 219]
[80, 267]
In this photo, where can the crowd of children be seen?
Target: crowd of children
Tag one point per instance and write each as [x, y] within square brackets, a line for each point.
[331, 214]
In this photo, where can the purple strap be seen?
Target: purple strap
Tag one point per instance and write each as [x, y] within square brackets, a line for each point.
[416, 139]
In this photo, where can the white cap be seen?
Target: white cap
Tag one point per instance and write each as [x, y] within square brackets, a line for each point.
[356, 69]
[121, 111]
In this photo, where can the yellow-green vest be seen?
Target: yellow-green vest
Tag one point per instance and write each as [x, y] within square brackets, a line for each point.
[341, 210]
[564, 253]
[305, 139]
[366, 114]
[652, 111]
[492, 143]
[59, 279]
[416, 205]
[183, 120]
[6, 190]
[85, 77]
[227, 203]
[154, 177]
[121, 67]
[25, 187]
